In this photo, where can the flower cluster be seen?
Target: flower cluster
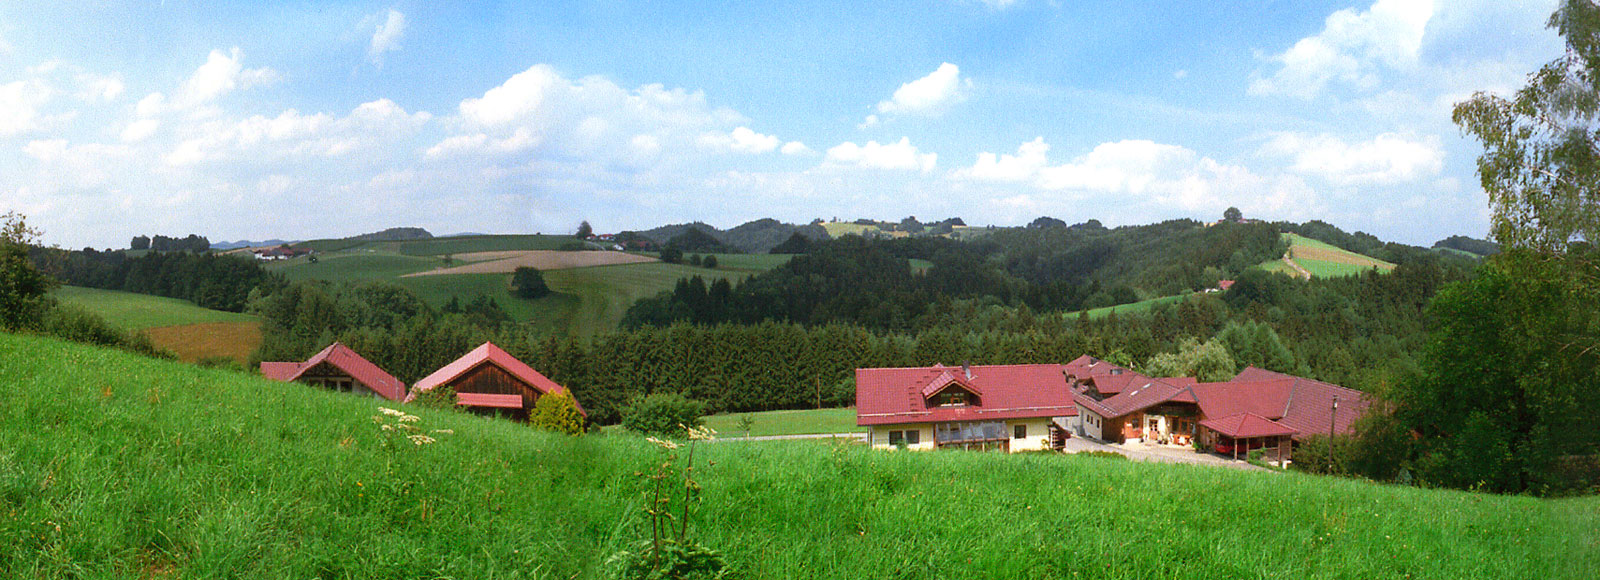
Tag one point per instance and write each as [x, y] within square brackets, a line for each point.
[406, 425]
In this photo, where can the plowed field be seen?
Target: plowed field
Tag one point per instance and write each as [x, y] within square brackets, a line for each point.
[506, 262]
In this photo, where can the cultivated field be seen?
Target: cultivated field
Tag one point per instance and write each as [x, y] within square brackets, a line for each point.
[1325, 260]
[505, 262]
[135, 468]
[174, 325]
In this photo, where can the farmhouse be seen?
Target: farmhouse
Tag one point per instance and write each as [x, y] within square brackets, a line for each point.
[490, 381]
[341, 369]
[1257, 409]
[1004, 407]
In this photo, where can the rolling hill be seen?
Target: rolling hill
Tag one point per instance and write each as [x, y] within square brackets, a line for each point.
[189, 331]
[136, 468]
[587, 300]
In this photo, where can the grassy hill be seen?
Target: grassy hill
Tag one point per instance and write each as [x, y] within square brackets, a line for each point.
[189, 331]
[586, 300]
[134, 468]
[1326, 260]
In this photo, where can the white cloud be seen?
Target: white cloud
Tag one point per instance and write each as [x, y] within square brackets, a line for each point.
[20, 102]
[93, 87]
[513, 100]
[293, 135]
[1031, 157]
[1387, 159]
[386, 38]
[928, 95]
[901, 155]
[1350, 49]
[480, 143]
[221, 74]
[999, 4]
[740, 140]
[795, 148]
[139, 130]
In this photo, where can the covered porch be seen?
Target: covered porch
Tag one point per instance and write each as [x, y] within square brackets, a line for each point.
[1237, 435]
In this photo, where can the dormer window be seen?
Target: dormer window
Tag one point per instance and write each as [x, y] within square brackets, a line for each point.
[954, 399]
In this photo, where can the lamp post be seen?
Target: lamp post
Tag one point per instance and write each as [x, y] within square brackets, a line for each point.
[1332, 420]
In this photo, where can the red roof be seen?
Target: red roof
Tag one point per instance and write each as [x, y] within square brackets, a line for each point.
[1224, 284]
[1142, 394]
[1303, 406]
[896, 395]
[1247, 425]
[341, 357]
[1309, 408]
[488, 353]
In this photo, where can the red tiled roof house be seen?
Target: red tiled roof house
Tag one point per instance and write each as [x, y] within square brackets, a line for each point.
[1257, 409]
[340, 369]
[490, 381]
[1006, 407]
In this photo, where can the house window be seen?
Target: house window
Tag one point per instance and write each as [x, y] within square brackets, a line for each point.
[953, 399]
[1019, 432]
[913, 436]
[897, 437]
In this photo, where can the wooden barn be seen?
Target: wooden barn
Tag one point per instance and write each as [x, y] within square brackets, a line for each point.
[490, 381]
[340, 369]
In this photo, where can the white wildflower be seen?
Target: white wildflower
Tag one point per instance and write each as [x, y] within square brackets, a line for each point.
[388, 427]
[445, 431]
[391, 412]
[662, 443]
[420, 439]
[702, 433]
[409, 418]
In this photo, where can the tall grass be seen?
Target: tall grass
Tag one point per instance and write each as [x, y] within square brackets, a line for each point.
[115, 466]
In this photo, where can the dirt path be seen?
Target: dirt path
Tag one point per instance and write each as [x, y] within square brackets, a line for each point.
[1287, 259]
[507, 262]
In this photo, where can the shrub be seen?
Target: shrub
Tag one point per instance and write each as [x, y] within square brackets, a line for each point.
[79, 325]
[671, 255]
[695, 260]
[709, 262]
[662, 414]
[528, 282]
[442, 397]
[556, 412]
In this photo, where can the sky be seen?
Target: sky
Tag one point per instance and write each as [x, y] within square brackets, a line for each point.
[301, 120]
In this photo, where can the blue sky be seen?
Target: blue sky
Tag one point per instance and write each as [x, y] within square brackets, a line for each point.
[303, 120]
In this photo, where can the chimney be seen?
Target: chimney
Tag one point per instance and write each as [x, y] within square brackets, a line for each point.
[966, 367]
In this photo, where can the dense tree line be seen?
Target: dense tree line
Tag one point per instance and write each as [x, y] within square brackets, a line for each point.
[220, 282]
[192, 243]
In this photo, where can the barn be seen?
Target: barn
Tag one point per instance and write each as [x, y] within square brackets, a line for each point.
[490, 381]
[340, 369]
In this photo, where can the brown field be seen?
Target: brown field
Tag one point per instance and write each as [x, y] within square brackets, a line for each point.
[509, 261]
[192, 342]
[1309, 252]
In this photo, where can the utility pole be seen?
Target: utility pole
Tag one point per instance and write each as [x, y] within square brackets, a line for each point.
[1332, 420]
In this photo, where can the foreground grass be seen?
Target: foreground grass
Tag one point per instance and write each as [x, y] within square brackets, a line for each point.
[799, 422]
[115, 466]
[130, 311]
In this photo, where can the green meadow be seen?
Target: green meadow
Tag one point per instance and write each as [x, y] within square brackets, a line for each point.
[586, 301]
[136, 468]
[794, 422]
[130, 311]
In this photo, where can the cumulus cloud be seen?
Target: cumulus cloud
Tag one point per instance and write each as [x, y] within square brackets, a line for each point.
[292, 134]
[386, 38]
[20, 103]
[901, 155]
[1351, 48]
[928, 95]
[740, 140]
[795, 148]
[221, 74]
[1387, 159]
[1151, 179]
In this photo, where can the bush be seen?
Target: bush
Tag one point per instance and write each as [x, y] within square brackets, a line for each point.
[442, 397]
[671, 255]
[528, 282]
[556, 412]
[662, 415]
[710, 262]
[79, 325]
[694, 260]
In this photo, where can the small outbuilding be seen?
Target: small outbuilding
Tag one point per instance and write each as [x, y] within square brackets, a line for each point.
[490, 381]
[340, 369]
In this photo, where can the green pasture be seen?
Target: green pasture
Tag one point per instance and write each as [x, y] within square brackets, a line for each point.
[797, 422]
[136, 468]
[130, 311]
[1141, 306]
[487, 243]
[358, 265]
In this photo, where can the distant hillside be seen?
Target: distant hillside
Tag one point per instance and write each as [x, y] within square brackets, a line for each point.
[393, 235]
[249, 244]
[1469, 245]
[756, 237]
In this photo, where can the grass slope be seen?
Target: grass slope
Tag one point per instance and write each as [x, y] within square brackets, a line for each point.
[797, 422]
[188, 331]
[134, 468]
[1326, 260]
[130, 311]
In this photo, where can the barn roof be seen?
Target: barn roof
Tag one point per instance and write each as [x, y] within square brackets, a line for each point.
[489, 354]
[343, 358]
[900, 395]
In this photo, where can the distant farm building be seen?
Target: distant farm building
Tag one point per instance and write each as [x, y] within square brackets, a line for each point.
[340, 369]
[279, 253]
[490, 381]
